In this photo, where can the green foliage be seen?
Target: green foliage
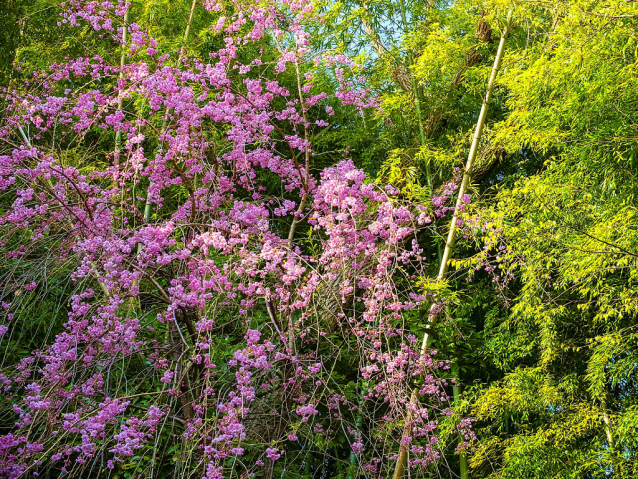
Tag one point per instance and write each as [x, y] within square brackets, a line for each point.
[566, 344]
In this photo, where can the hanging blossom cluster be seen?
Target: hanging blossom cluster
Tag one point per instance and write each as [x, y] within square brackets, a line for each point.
[208, 312]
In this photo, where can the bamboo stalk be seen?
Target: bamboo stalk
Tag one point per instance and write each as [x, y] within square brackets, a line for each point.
[449, 244]
[118, 134]
[148, 206]
[607, 421]
[416, 99]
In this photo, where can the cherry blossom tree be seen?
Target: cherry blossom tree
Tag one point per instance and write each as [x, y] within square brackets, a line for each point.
[212, 313]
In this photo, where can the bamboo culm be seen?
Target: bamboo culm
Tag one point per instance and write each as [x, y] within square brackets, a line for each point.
[449, 244]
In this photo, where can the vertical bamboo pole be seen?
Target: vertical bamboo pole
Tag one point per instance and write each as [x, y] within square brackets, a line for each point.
[118, 134]
[451, 237]
[415, 96]
[148, 206]
[449, 244]
[607, 421]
